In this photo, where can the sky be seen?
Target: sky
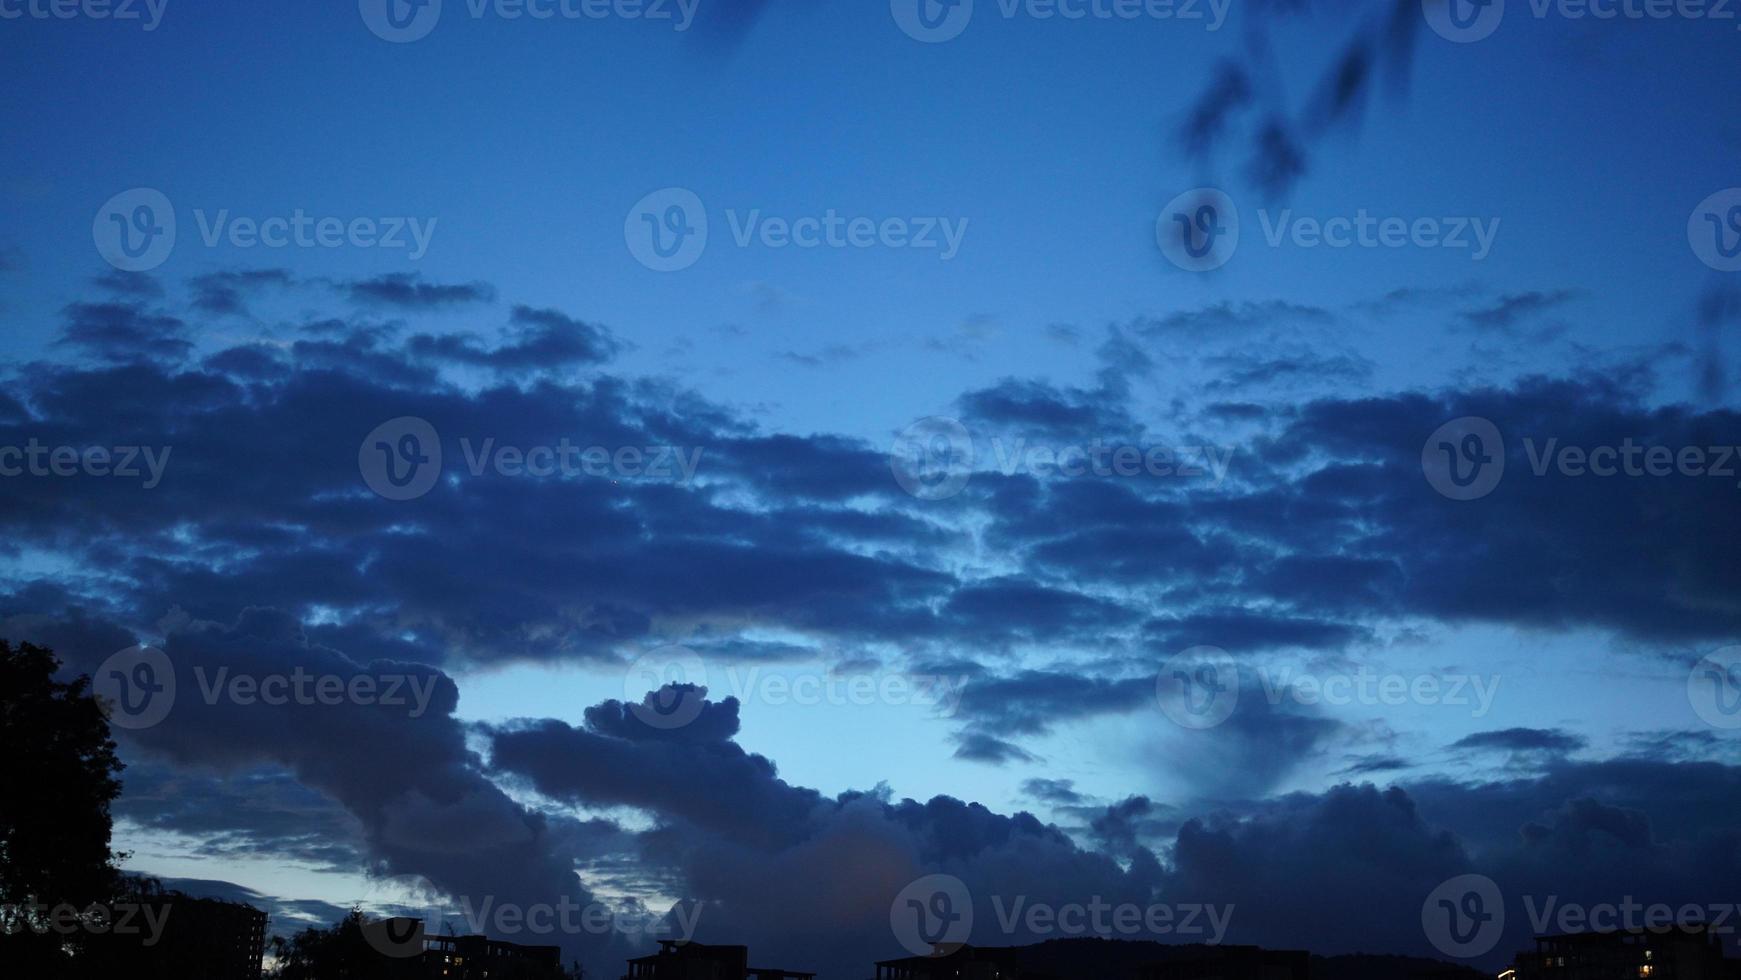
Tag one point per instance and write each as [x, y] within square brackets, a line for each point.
[1316, 618]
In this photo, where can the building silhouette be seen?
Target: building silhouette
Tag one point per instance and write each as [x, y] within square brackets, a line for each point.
[677, 960]
[483, 958]
[1097, 958]
[965, 962]
[201, 939]
[1103, 960]
[1684, 952]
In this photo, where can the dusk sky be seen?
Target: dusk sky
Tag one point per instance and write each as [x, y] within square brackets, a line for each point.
[940, 510]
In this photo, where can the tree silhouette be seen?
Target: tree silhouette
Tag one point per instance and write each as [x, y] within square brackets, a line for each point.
[343, 951]
[58, 774]
[333, 953]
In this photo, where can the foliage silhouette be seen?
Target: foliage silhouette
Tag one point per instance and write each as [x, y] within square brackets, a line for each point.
[59, 772]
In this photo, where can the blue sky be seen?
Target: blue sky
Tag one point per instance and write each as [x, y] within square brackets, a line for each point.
[1054, 148]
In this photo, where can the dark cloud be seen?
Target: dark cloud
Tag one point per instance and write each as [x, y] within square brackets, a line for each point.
[227, 293]
[1251, 369]
[408, 291]
[1242, 630]
[1058, 598]
[1032, 702]
[124, 332]
[1227, 317]
[1032, 406]
[131, 285]
[1052, 790]
[980, 747]
[1522, 740]
[1512, 309]
[1374, 764]
[538, 339]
